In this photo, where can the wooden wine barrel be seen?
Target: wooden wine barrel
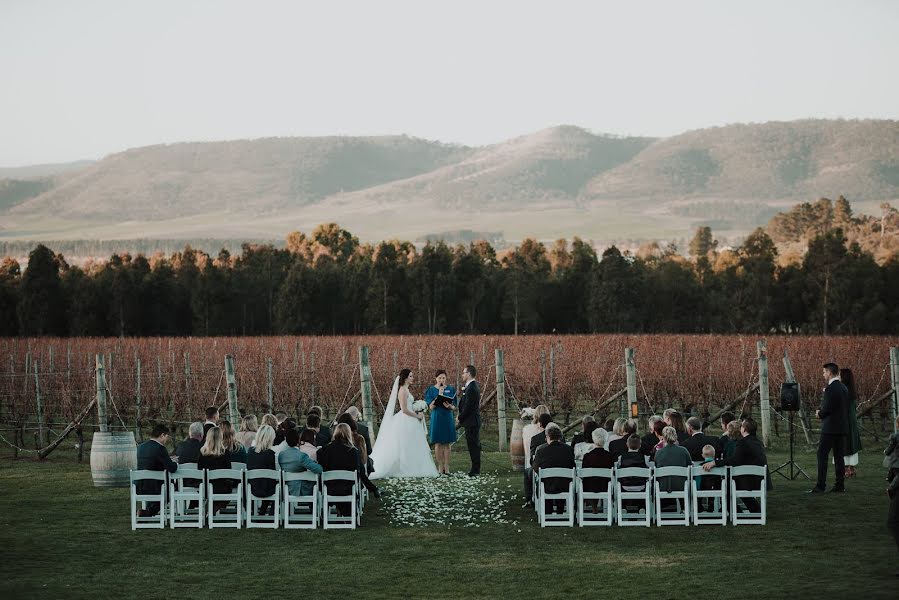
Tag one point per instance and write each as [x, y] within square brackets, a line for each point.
[516, 445]
[113, 454]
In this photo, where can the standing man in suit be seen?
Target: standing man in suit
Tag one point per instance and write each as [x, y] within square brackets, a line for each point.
[470, 417]
[212, 420]
[834, 426]
[698, 439]
[153, 456]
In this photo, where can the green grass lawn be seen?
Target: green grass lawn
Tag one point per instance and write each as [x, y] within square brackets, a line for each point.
[61, 537]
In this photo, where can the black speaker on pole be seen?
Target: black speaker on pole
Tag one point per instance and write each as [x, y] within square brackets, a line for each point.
[789, 396]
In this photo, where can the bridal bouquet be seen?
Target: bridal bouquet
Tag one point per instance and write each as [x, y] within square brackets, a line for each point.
[419, 406]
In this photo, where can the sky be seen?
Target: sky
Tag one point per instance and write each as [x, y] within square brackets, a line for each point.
[81, 80]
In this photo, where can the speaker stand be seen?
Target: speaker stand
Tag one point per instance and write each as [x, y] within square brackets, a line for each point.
[795, 469]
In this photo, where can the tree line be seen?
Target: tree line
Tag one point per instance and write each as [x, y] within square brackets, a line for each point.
[327, 282]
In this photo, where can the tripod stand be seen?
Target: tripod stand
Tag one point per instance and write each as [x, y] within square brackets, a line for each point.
[792, 463]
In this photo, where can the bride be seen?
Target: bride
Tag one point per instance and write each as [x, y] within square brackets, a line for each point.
[401, 448]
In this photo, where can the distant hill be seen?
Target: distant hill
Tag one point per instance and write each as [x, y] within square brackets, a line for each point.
[561, 181]
[33, 171]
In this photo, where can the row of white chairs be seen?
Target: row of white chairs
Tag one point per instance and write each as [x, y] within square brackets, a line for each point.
[184, 504]
[694, 505]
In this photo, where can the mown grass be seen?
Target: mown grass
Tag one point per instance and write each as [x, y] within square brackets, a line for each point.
[61, 537]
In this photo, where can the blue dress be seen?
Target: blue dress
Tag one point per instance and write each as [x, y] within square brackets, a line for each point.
[443, 423]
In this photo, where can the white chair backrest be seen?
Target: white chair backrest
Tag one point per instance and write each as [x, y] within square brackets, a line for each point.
[748, 470]
[224, 474]
[716, 471]
[556, 472]
[192, 465]
[144, 475]
[671, 471]
[594, 472]
[240, 466]
[643, 472]
[183, 473]
[301, 476]
[339, 475]
[263, 474]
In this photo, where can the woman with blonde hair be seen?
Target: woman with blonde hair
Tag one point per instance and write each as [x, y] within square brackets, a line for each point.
[530, 430]
[261, 456]
[617, 431]
[248, 428]
[235, 450]
[213, 457]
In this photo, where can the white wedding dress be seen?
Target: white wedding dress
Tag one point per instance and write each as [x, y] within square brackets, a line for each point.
[401, 448]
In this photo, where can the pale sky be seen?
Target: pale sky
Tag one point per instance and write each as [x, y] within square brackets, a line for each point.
[84, 79]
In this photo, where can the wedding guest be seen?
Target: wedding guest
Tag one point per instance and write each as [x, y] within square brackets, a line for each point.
[280, 442]
[307, 444]
[340, 455]
[540, 437]
[650, 440]
[726, 418]
[359, 443]
[833, 414]
[153, 456]
[537, 440]
[731, 435]
[292, 460]
[632, 458]
[361, 427]
[323, 428]
[658, 429]
[212, 458]
[748, 451]
[280, 416]
[583, 436]
[617, 432]
[235, 450]
[270, 420]
[708, 482]
[677, 421]
[697, 440]
[443, 426]
[619, 446]
[248, 428]
[188, 451]
[532, 429]
[672, 455]
[853, 442]
[314, 423]
[609, 426]
[212, 419]
[597, 458]
[554, 454]
[666, 415]
[263, 457]
[582, 448]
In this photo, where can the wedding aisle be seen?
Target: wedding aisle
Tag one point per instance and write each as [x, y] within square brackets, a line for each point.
[453, 501]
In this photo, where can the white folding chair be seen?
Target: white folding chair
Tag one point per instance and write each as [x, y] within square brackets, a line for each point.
[680, 496]
[336, 521]
[156, 521]
[716, 513]
[566, 517]
[301, 512]
[605, 500]
[224, 518]
[631, 519]
[181, 495]
[254, 502]
[760, 494]
[188, 466]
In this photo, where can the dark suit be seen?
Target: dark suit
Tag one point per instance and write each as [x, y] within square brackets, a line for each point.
[206, 427]
[695, 443]
[598, 458]
[470, 419]
[834, 426]
[322, 436]
[261, 460]
[188, 451]
[747, 451]
[648, 444]
[152, 456]
[551, 456]
[337, 456]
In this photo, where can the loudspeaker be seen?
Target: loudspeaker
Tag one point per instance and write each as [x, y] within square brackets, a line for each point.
[789, 396]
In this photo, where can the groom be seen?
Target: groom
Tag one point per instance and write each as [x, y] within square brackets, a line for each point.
[470, 417]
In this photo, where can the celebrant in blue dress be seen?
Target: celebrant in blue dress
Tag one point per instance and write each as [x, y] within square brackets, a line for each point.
[443, 422]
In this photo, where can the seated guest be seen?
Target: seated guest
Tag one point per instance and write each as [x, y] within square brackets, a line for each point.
[583, 436]
[532, 429]
[248, 428]
[323, 428]
[633, 457]
[672, 455]
[361, 427]
[152, 456]
[263, 457]
[212, 458]
[554, 454]
[697, 439]
[658, 429]
[307, 443]
[609, 426]
[650, 440]
[619, 446]
[188, 451]
[537, 440]
[726, 418]
[597, 458]
[617, 432]
[270, 420]
[707, 482]
[314, 422]
[280, 443]
[677, 421]
[747, 451]
[340, 455]
[731, 435]
[279, 417]
[212, 419]
[582, 448]
[359, 442]
[235, 450]
[292, 460]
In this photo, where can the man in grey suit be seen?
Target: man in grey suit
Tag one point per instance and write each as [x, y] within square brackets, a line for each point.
[834, 426]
